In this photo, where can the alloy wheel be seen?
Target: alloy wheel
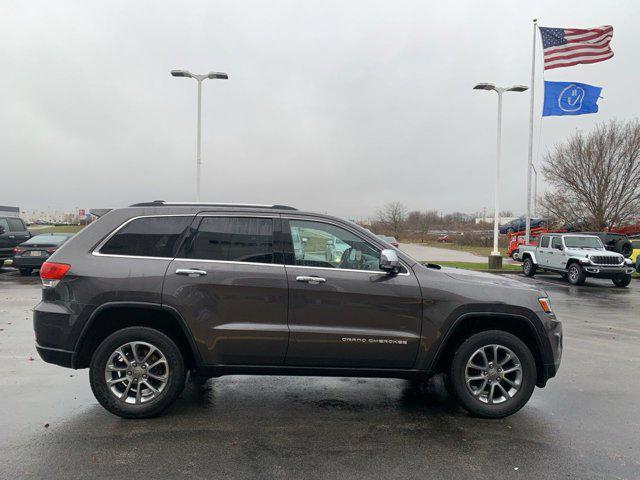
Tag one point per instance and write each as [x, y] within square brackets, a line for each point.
[493, 374]
[136, 372]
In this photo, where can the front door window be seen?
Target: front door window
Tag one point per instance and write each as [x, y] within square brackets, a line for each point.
[317, 244]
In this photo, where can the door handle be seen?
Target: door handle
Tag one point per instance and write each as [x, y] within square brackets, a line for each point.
[191, 272]
[310, 280]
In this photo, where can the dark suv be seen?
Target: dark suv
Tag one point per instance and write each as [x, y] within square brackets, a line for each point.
[147, 293]
[13, 232]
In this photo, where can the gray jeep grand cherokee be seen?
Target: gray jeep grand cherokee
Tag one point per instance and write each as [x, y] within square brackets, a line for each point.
[147, 293]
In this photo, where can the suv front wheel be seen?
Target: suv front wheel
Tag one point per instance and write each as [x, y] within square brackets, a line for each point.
[137, 372]
[493, 374]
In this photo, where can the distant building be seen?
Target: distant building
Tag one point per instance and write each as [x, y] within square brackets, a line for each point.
[7, 211]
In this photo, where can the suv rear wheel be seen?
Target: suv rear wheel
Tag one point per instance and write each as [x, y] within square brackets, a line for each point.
[137, 372]
[493, 374]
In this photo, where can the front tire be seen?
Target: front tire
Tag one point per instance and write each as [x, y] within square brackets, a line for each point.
[528, 267]
[622, 281]
[493, 374]
[137, 372]
[576, 275]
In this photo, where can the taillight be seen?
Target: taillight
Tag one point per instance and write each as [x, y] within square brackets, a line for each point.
[18, 250]
[51, 273]
[51, 250]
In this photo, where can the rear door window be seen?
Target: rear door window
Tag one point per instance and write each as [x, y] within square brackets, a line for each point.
[148, 237]
[544, 243]
[16, 225]
[4, 224]
[557, 242]
[233, 239]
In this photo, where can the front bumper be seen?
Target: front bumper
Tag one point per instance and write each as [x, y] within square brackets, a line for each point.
[551, 360]
[603, 271]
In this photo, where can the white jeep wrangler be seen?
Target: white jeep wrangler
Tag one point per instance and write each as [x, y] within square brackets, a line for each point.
[576, 257]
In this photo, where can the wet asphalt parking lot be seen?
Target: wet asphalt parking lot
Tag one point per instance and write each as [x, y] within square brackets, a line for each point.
[585, 424]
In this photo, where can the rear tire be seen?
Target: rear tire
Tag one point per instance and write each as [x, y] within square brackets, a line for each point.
[158, 385]
[528, 267]
[576, 275]
[622, 281]
[26, 271]
[505, 381]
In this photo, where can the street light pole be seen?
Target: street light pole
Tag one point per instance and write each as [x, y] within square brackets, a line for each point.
[535, 191]
[495, 260]
[199, 79]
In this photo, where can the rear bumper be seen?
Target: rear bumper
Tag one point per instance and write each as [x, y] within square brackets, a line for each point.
[28, 262]
[64, 358]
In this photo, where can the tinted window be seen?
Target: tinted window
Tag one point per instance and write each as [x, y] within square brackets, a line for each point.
[148, 237]
[16, 225]
[317, 244]
[236, 239]
[556, 242]
[4, 224]
[544, 243]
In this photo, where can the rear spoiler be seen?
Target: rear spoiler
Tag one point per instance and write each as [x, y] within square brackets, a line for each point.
[98, 212]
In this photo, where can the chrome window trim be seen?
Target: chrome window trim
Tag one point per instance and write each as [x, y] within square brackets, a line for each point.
[357, 234]
[370, 272]
[233, 262]
[96, 250]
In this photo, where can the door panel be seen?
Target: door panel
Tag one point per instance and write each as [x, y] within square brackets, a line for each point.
[237, 312]
[229, 283]
[353, 319]
[354, 315]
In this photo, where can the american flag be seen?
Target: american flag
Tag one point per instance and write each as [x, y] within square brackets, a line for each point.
[564, 47]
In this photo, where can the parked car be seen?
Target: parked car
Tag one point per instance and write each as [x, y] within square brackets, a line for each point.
[635, 254]
[30, 255]
[575, 256]
[155, 290]
[518, 224]
[13, 232]
[390, 240]
[614, 242]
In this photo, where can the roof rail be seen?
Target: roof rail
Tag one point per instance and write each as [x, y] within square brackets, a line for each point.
[162, 203]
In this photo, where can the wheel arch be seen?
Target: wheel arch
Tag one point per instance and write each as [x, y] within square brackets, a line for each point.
[530, 255]
[471, 323]
[114, 316]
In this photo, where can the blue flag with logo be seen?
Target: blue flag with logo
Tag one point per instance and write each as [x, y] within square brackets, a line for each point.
[570, 98]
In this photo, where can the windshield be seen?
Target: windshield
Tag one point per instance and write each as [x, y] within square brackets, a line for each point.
[48, 239]
[583, 242]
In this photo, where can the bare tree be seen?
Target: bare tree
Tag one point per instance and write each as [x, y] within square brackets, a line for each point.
[393, 216]
[595, 177]
[420, 222]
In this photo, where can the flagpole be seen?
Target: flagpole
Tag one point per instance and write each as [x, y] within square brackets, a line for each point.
[531, 105]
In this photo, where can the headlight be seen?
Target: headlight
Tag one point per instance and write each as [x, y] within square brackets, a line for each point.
[628, 261]
[545, 304]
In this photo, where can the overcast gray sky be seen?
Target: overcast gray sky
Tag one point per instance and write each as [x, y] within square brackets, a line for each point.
[331, 106]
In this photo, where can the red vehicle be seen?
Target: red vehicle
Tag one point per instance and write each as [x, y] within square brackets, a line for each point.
[516, 239]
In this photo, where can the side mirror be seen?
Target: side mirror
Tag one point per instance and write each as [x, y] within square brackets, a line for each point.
[389, 261]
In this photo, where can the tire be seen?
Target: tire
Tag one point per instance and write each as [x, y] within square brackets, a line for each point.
[26, 271]
[622, 281]
[172, 370]
[528, 267]
[520, 379]
[576, 275]
[624, 247]
[513, 255]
